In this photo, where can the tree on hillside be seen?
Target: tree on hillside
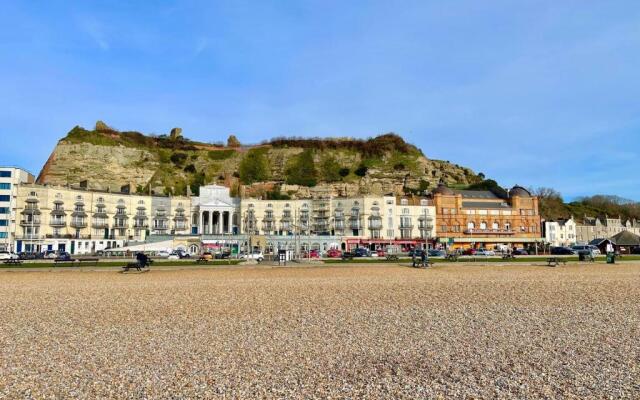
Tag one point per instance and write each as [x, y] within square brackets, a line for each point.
[330, 169]
[550, 203]
[254, 167]
[233, 141]
[492, 186]
[302, 170]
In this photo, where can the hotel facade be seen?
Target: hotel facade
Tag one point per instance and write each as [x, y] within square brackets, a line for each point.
[83, 221]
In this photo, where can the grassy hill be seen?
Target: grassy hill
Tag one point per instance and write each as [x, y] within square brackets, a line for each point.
[173, 164]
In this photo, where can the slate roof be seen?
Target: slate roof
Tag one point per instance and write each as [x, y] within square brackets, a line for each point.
[476, 194]
[626, 238]
[484, 204]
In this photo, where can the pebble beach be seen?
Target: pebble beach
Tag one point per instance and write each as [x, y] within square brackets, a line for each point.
[387, 332]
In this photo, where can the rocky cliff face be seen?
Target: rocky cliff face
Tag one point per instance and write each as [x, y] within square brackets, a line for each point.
[108, 159]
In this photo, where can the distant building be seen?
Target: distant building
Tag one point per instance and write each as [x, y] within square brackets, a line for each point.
[593, 228]
[10, 180]
[561, 232]
[481, 218]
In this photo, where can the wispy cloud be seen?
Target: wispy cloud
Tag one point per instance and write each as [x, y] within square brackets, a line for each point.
[201, 45]
[95, 29]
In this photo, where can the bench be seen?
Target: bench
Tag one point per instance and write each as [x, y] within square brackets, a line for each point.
[202, 260]
[417, 263]
[508, 256]
[137, 265]
[555, 261]
[89, 260]
[347, 256]
[59, 261]
[13, 261]
[451, 257]
[392, 257]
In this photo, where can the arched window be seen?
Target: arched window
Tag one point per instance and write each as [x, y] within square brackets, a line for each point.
[404, 202]
[471, 225]
[507, 226]
[495, 226]
[483, 225]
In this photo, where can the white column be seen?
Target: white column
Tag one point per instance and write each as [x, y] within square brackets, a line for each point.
[200, 222]
[228, 221]
[211, 222]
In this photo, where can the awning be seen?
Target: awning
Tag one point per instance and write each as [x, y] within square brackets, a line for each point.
[167, 245]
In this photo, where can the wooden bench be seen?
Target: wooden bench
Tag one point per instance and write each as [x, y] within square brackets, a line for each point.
[417, 263]
[508, 256]
[58, 261]
[451, 257]
[88, 260]
[392, 257]
[13, 261]
[556, 261]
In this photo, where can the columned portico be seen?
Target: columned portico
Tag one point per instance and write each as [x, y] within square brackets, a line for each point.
[215, 209]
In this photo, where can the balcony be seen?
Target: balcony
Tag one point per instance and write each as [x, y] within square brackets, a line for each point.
[78, 223]
[59, 236]
[140, 225]
[121, 225]
[57, 223]
[406, 225]
[26, 222]
[100, 225]
[489, 232]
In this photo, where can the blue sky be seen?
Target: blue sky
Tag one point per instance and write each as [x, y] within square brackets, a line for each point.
[539, 93]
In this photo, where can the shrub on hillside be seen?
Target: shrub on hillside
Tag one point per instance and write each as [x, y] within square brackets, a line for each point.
[302, 170]
[254, 167]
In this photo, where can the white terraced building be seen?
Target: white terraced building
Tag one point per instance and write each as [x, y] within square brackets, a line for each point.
[10, 180]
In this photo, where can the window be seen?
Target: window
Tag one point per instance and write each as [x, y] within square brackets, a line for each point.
[4, 222]
[4, 210]
[404, 202]
[405, 211]
[471, 225]
[3, 235]
[483, 225]
[5, 197]
[5, 186]
[5, 174]
[495, 226]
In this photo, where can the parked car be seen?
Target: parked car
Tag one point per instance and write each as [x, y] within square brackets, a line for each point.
[334, 253]
[222, 255]
[29, 256]
[182, 254]
[173, 256]
[311, 254]
[255, 255]
[64, 256]
[635, 250]
[520, 252]
[562, 251]
[5, 255]
[51, 254]
[485, 252]
[469, 252]
[163, 254]
[361, 252]
[380, 253]
[207, 255]
[585, 249]
[436, 253]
